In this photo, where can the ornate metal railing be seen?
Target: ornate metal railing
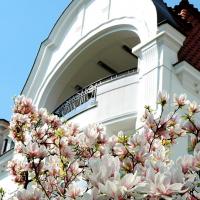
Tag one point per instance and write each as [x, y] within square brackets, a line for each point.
[76, 100]
[87, 94]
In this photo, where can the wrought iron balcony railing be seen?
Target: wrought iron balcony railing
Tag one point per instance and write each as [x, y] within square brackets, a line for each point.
[77, 100]
[86, 98]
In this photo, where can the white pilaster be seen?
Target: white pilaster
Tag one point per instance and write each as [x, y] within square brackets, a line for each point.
[156, 59]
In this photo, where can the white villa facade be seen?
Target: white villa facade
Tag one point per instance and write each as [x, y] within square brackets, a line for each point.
[105, 59]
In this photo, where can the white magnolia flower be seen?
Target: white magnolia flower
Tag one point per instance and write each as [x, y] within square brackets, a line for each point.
[103, 168]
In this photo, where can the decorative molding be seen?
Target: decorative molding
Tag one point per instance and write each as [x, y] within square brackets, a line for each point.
[50, 56]
[119, 118]
[189, 77]
[167, 35]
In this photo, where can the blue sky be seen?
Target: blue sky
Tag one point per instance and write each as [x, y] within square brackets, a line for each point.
[24, 25]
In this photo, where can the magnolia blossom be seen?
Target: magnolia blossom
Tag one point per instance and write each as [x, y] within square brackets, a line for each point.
[117, 188]
[40, 133]
[193, 108]
[23, 105]
[74, 168]
[112, 188]
[104, 168]
[29, 194]
[162, 98]
[74, 191]
[120, 150]
[197, 156]
[160, 184]
[52, 165]
[151, 122]
[130, 180]
[64, 163]
[18, 169]
[187, 163]
[180, 101]
[33, 150]
[65, 149]
[70, 129]
[53, 121]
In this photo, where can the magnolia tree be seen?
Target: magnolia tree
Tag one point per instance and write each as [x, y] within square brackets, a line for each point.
[57, 160]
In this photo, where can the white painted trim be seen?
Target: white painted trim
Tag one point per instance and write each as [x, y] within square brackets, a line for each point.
[166, 33]
[185, 67]
[107, 28]
[177, 36]
[142, 23]
[119, 118]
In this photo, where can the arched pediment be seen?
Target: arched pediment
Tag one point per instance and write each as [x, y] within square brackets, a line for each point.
[79, 25]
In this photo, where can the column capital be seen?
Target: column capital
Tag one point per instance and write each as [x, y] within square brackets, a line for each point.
[167, 35]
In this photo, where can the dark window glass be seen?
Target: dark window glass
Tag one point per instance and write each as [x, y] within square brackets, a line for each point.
[5, 145]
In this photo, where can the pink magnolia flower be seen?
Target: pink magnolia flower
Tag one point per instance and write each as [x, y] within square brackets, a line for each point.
[103, 168]
[43, 113]
[189, 127]
[160, 184]
[30, 194]
[141, 154]
[112, 141]
[74, 168]
[70, 129]
[116, 188]
[139, 139]
[145, 115]
[180, 101]
[66, 151]
[103, 149]
[112, 188]
[197, 156]
[130, 180]
[155, 165]
[120, 150]
[19, 147]
[35, 151]
[193, 141]
[102, 138]
[23, 105]
[193, 108]
[53, 121]
[40, 132]
[18, 126]
[151, 122]
[74, 191]
[162, 98]
[147, 135]
[17, 170]
[50, 184]
[187, 163]
[92, 133]
[52, 164]
[160, 153]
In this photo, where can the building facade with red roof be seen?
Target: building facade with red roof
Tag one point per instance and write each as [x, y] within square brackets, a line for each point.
[105, 59]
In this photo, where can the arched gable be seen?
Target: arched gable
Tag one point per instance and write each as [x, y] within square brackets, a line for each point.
[81, 23]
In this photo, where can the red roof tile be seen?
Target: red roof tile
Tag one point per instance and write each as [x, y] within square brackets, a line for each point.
[189, 18]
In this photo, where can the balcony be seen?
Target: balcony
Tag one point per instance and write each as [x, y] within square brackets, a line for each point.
[105, 99]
